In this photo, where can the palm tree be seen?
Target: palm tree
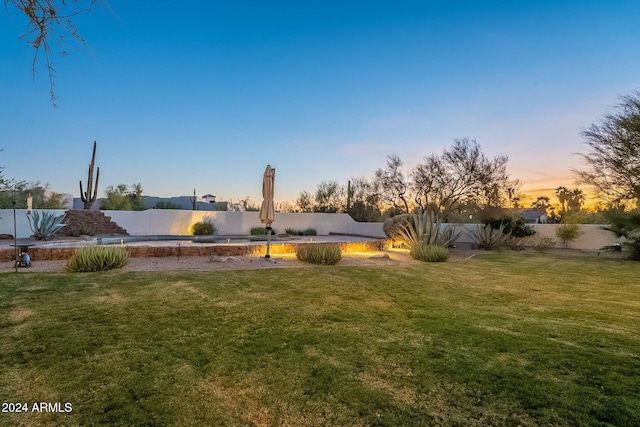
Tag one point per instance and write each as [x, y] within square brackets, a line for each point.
[563, 194]
[575, 199]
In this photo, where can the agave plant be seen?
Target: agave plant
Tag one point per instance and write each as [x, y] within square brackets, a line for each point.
[448, 236]
[426, 230]
[487, 237]
[45, 224]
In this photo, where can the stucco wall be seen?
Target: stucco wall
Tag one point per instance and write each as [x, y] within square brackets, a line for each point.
[177, 222]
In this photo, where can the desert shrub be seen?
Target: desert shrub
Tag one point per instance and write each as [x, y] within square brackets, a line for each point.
[166, 205]
[77, 232]
[429, 253]
[261, 230]
[567, 233]
[306, 232]
[514, 225]
[319, 253]
[203, 228]
[97, 258]
[632, 244]
[489, 238]
[627, 225]
[544, 244]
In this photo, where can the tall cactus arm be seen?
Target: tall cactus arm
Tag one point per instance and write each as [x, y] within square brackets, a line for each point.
[95, 188]
[87, 198]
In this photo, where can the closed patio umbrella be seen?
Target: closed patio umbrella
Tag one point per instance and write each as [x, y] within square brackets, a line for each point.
[267, 211]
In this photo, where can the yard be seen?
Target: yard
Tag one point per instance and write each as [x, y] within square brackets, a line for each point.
[498, 339]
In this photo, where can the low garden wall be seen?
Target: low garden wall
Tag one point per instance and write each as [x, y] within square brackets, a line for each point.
[179, 250]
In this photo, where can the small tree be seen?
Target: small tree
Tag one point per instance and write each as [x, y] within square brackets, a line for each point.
[568, 233]
[329, 197]
[462, 175]
[120, 198]
[304, 202]
[43, 197]
[393, 185]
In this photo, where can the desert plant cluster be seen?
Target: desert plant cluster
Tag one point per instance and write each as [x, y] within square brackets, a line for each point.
[319, 253]
[91, 258]
[203, 228]
[424, 236]
[305, 232]
[45, 224]
[258, 231]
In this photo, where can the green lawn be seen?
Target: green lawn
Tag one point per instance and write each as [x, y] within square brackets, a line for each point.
[498, 339]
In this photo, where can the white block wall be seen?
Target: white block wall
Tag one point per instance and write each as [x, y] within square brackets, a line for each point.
[177, 222]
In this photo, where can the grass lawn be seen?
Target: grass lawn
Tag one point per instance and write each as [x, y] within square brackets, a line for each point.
[499, 339]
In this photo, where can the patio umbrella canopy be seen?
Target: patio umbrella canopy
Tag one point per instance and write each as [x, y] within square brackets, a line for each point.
[267, 211]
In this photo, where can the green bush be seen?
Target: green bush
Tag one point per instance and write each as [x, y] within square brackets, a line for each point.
[513, 225]
[98, 258]
[543, 244]
[166, 205]
[261, 230]
[429, 253]
[633, 245]
[81, 232]
[568, 233]
[627, 225]
[203, 228]
[306, 232]
[319, 253]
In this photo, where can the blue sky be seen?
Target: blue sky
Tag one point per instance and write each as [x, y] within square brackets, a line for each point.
[204, 94]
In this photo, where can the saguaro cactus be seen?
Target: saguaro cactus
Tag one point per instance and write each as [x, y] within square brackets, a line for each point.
[86, 197]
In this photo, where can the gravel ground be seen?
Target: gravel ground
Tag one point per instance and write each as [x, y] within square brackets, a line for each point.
[198, 263]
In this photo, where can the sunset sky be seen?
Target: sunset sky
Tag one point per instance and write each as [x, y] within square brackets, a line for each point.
[205, 94]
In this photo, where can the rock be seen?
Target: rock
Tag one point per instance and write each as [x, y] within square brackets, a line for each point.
[216, 258]
[379, 256]
[391, 225]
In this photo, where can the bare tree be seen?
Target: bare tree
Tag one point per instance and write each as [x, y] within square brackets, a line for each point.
[463, 174]
[393, 185]
[304, 202]
[613, 156]
[50, 23]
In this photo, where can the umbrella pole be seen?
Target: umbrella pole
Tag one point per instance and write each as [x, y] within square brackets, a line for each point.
[268, 240]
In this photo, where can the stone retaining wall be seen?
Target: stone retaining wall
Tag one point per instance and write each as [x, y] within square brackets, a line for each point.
[53, 254]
